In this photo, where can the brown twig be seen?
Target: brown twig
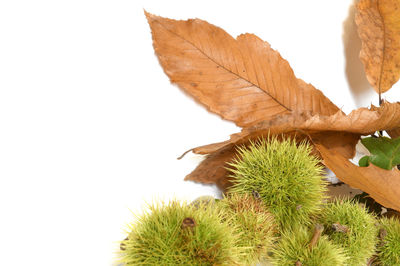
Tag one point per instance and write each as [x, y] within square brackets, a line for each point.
[380, 103]
[382, 234]
[317, 234]
[337, 227]
[371, 261]
[183, 155]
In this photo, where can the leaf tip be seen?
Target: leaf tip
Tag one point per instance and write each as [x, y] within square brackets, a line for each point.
[146, 13]
[149, 16]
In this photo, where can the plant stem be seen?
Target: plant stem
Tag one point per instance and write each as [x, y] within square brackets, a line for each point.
[317, 234]
[337, 227]
[371, 261]
[380, 103]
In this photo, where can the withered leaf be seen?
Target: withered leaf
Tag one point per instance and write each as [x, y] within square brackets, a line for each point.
[339, 132]
[362, 121]
[213, 169]
[383, 185]
[379, 29]
[341, 141]
[243, 80]
[394, 133]
[338, 129]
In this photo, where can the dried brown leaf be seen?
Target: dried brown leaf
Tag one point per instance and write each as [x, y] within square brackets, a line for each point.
[394, 133]
[379, 29]
[213, 169]
[382, 185]
[243, 80]
[247, 82]
[338, 131]
[341, 141]
[361, 121]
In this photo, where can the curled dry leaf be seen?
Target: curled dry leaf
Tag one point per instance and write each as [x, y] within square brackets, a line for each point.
[383, 185]
[243, 80]
[339, 132]
[394, 133]
[338, 129]
[378, 24]
[341, 141]
[213, 169]
[362, 121]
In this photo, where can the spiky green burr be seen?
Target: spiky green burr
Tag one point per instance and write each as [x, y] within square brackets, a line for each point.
[350, 225]
[181, 234]
[287, 178]
[294, 249]
[389, 247]
[253, 223]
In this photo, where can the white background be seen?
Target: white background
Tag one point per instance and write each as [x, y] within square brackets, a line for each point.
[90, 126]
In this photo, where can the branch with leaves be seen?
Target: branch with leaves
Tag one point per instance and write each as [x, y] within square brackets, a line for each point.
[247, 82]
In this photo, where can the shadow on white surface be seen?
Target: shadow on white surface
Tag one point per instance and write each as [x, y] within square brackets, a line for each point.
[354, 69]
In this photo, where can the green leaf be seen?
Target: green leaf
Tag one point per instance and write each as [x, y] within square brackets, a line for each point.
[385, 152]
[364, 161]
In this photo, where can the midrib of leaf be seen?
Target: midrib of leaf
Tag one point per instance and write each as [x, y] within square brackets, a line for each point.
[174, 33]
[383, 51]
